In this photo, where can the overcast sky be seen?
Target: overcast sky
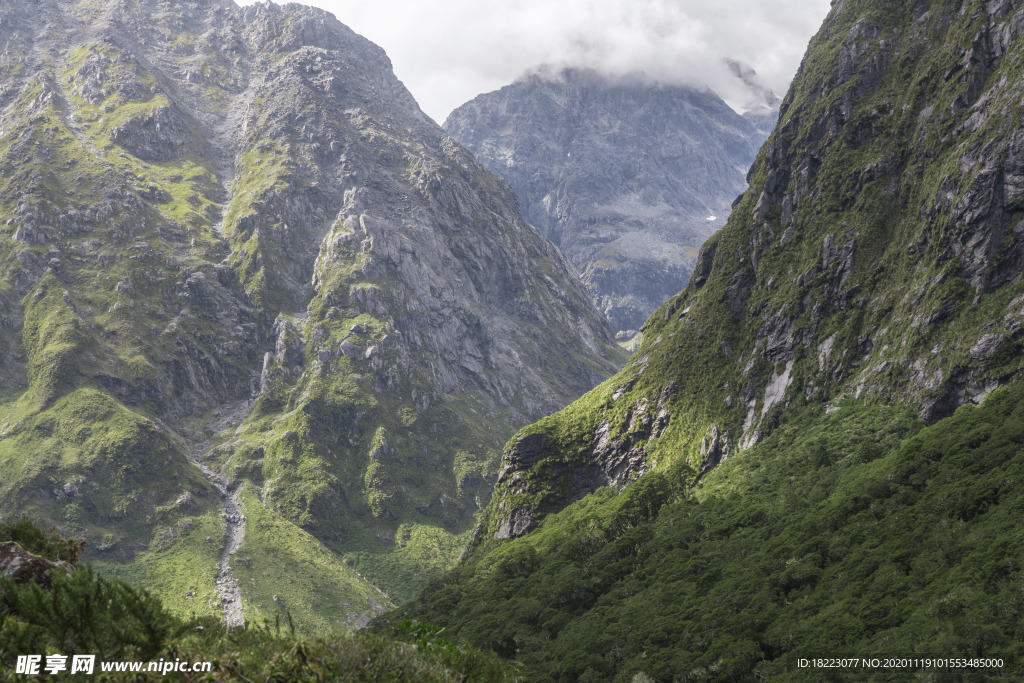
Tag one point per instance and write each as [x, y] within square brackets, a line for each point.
[448, 51]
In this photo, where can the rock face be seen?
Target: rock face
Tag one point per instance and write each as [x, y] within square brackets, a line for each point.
[627, 176]
[876, 257]
[232, 231]
[21, 566]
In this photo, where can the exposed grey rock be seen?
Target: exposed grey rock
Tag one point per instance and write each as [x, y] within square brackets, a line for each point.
[244, 207]
[870, 262]
[160, 134]
[986, 346]
[227, 587]
[980, 202]
[518, 523]
[714, 448]
[22, 567]
[186, 502]
[350, 349]
[627, 176]
[616, 457]
[523, 454]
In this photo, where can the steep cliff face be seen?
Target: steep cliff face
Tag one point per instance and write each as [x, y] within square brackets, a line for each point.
[229, 236]
[809, 472]
[627, 176]
[876, 258]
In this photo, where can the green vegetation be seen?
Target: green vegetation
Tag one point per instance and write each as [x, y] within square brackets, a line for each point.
[49, 544]
[180, 567]
[55, 342]
[174, 206]
[418, 553]
[88, 613]
[866, 260]
[80, 613]
[855, 533]
[102, 470]
[865, 285]
[283, 570]
[145, 290]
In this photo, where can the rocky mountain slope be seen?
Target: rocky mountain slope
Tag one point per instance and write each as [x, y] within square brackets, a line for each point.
[876, 256]
[257, 312]
[626, 175]
[867, 285]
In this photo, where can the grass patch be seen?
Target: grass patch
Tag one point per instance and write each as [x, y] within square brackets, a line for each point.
[280, 559]
[182, 573]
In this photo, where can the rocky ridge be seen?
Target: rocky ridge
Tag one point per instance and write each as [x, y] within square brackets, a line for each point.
[875, 258]
[22, 567]
[626, 175]
[207, 206]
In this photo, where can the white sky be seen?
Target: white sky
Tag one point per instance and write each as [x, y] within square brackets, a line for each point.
[449, 51]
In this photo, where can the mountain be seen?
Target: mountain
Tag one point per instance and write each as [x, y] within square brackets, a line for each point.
[628, 176]
[761, 106]
[263, 325]
[814, 450]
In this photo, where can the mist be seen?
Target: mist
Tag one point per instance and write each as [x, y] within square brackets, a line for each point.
[447, 52]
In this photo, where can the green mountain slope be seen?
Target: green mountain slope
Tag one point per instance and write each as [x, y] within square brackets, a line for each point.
[866, 285]
[242, 275]
[876, 255]
[855, 534]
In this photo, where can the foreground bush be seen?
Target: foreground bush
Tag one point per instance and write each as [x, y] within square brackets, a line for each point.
[86, 613]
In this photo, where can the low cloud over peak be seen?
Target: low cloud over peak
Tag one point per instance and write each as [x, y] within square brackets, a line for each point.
[448, 51]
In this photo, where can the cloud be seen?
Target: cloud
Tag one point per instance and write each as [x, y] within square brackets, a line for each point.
[448, 51]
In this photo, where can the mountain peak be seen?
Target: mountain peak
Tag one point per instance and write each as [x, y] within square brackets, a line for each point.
[251, 277]
[758, 97]
[627, 174]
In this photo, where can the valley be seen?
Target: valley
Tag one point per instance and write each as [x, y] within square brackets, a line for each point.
[288, 356]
